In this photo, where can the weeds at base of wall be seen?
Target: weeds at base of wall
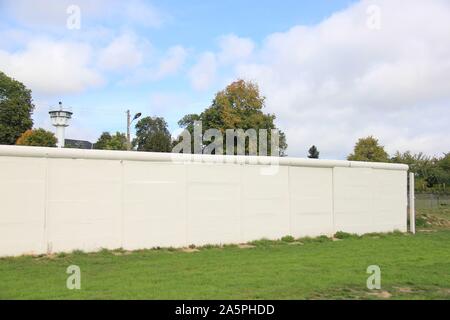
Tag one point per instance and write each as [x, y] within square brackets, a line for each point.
[286, 240]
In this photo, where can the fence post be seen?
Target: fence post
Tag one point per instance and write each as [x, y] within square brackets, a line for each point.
[412, 210]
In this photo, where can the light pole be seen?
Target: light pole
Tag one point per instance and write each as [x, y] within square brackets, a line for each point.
[129, 121]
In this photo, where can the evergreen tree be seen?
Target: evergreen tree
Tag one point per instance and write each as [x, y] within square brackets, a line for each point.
[313, 153]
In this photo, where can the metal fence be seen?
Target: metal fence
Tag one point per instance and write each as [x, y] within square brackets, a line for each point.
[431, 201]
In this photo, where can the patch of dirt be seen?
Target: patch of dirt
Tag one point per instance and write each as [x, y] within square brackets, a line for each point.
[380, 294]
[51, 256]
[121, 253]
[441, 292]
[336, 239]
[445, 291]
[190, 250]
[347, 293]
[296, 243]
[245, 246]
[429, 220]
[354, 293]
[404, 289]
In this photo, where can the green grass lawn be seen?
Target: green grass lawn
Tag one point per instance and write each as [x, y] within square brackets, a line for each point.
[413, 267]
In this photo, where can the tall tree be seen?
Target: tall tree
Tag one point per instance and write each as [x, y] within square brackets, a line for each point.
[313, 153]
[37, 138]
[368, 149]
[441, 172]
[16, 108]
[431, 174]
[102, 141]
[238, 106]
[418, 163]
[111, 142]
[153, 135]
[444, 162]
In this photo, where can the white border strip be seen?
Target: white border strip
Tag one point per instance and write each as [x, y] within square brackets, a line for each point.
[66, 153]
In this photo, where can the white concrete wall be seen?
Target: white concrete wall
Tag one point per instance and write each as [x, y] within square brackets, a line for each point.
[54, 200]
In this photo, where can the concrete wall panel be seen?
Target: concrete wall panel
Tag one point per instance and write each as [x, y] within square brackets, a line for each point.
[62, 200]
[154, 208]
[84, 204]
[369, 200]
[311, 201]
[22, 205]
[265, 204]
[213, 203]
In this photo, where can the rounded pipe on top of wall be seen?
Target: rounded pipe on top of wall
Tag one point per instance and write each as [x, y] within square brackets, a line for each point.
[41, 152]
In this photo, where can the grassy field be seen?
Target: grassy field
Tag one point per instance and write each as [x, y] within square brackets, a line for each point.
[412, 267]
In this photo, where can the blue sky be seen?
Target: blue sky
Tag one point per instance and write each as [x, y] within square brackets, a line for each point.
[329, 74]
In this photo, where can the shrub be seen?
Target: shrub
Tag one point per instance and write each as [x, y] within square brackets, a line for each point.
[210, 246]
[319, 239]
[104, 251]
[288, 239]
[37, 138]
[264, 242]
[345, 235]
[422, 222]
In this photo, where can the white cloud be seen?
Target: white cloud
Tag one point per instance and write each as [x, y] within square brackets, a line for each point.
[329, 84]
[52, 14]
[203, 74]
[12, 38]
[334, 82]
[168, 65]
[44, 14]
[170, 105]
[172, 62]
[50, 67]
[234, 48]
[143, 13]
[122, 53]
